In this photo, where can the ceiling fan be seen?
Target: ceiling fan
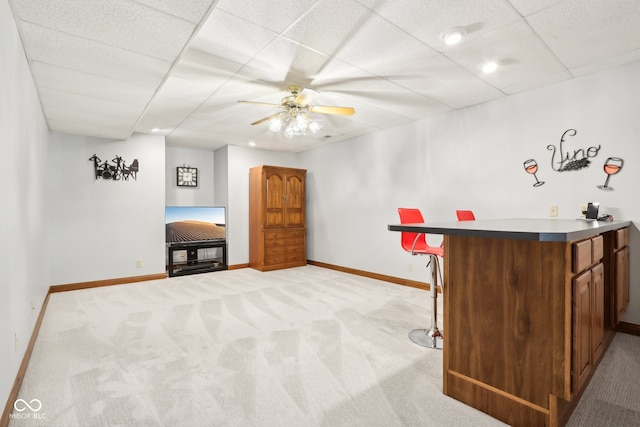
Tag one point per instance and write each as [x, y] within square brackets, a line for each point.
[295, 119]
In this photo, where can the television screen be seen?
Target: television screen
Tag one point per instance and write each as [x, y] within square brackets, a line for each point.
[195, 223]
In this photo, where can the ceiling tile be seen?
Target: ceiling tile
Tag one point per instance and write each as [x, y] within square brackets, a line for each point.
[73, 125]
[119, 23]
[385, 95]
[428, 20]
[521, 56]
[87, 123]
[284, 62]
[610, 62]
[547, 79]
[580, 32]
[229, 37]
[81, 103]
[162, 104]
[274, 16]
[93, 86]
[446, 82]
[105, 68]
[192, 10]
[186, 89]
[204, 68]
[330, 26]
[527, 7]
[241, 89]
[63, 50]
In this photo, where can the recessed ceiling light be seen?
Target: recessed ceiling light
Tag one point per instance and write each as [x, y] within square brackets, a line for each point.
[489, 67]
[453, 36]
[252, 143]
[155, 129]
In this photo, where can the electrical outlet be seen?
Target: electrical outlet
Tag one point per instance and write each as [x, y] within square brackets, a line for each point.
[583, 210]
[138, 263]
[410, 267]
[553, 210]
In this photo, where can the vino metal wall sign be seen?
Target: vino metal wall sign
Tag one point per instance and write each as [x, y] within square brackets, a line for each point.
[563, 160]
[115, 170]
[568, 161]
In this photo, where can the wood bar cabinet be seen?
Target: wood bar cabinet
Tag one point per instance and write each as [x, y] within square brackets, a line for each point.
[530, 307]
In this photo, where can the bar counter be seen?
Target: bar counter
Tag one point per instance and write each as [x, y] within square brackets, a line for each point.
[530, 306]
[543, 230]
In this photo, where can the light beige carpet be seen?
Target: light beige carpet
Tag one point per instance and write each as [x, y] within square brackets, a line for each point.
[298, 347]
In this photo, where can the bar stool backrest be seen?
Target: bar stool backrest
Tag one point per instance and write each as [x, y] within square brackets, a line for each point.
[465, 215]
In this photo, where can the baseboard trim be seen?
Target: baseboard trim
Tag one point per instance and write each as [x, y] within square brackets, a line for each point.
[383, 277]
[13, 394]
[628, 328]
[237, 266]
[107, 282]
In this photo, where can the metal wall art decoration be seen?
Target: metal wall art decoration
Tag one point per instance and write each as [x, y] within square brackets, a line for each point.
[563, 160]
[612, 166]
[571, 161]
[115, 170]
[531, 166]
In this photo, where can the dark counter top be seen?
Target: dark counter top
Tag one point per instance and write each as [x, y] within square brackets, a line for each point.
[543, 230]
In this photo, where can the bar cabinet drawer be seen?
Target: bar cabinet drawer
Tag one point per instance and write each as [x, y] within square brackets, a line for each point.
[622, 238]
[582, 256]
[597, 249]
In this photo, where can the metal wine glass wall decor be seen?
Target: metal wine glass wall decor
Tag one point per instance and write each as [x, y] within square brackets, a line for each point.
[563, 160]
[115, 169]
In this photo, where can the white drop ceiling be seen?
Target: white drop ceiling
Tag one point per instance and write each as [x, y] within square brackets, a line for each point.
[108, 68]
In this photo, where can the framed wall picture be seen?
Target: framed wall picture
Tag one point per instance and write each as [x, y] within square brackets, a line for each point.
[186, 176]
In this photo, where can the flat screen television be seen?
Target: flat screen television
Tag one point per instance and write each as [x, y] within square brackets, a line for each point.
[184, 224]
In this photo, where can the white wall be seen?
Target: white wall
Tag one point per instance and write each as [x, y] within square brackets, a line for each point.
[23, 255]
[203, 194]
[221, 176]
[473, 159]
[99, 228]
[240, 160]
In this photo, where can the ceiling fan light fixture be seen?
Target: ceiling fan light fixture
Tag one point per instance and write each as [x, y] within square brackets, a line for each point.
[275, 124]
[290, 130]
[301, 122]
[314, 127]
[295, 120]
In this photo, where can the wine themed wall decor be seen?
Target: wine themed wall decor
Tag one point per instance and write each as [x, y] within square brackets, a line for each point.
[612, 166]
[116, 169]
[531, 166]
[568, 160]
[563, 160]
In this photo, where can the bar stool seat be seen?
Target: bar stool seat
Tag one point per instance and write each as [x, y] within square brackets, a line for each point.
[416, 244]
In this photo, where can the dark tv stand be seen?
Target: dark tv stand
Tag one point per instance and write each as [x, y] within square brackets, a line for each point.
[201, 257]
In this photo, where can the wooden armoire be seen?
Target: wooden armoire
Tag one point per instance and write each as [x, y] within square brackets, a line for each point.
[277, 225]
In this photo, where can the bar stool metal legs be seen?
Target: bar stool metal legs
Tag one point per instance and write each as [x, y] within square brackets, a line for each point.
[429, 337]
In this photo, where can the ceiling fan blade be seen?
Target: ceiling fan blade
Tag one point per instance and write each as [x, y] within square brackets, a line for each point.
[266, 119]
[323, 109]
[305, 97]
[260, 103]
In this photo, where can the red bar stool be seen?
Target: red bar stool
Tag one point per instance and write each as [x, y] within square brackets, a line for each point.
[465, 215]
[416, 244]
